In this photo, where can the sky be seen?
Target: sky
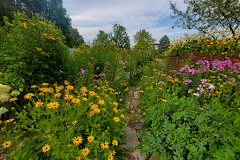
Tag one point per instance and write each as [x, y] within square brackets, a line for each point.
[90, 16]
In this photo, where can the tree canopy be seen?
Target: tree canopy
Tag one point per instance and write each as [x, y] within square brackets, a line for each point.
[119, 36]
[164, 44]
[205, 15]
[143, 39]
[102, 37]
[51, 9]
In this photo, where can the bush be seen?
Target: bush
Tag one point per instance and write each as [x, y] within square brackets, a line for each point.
[32, 50]
[182, 129]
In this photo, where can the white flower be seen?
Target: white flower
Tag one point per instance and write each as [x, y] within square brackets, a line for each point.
[3, 110]
[4, 98]
[4, 88]
[15, 93]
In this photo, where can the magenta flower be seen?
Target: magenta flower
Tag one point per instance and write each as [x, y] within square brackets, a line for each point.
[82, 71]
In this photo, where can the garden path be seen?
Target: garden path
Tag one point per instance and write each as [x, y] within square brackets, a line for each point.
[135, 124]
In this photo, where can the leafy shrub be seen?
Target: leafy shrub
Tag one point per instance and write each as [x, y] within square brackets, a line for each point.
[182, 129]
[60, 122]
[32, 50]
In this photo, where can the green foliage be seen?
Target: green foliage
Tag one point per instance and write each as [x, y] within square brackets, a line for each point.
[164, 44]
[56, 116]
[32, 50]
[119, 37]
[143, 40]
[180, 129]
[102, 37]
[75, 39]
[207, 15]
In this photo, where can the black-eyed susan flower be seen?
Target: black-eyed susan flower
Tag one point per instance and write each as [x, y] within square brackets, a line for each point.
[6, 144]
[116, 119]
[28, 96]
[114, 142]
[77, 140]
[57, 94]
[13, 99]
[45, 84]
[85, 151]
[45, 148]
[122, 116]
[104, 145]
[9, 120]
[164, 100]
[78, 158]
[74, 122]
[38, 104]
[91, 113]
[101, 101]
[90, 138]
[75, 100]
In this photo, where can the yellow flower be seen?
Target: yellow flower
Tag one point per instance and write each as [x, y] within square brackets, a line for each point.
[115, 142]
[46, 148]
[97, 110]
[77, 140]
[43, 89]
[116, 119]
[104, 145]
[84, 99]
[69, 87]
[57, 94]
[53, 105]
[164, 100]
[85, 151]
[122, 115]
[90, 138]
[75, 100]
[58, 89]
[68, 97]
[45, 84]
[84, 89]
[115, 104]
[66, 82]
[115, 109]
[34, 86]
[13, 99]
[6, 144]
[28, 96]
[78, 158]
[141, 91]
[92, 93]
[91, 113]
[101, 101]
[10, 120]
[74, 122]
[69, 145]
[38, 104]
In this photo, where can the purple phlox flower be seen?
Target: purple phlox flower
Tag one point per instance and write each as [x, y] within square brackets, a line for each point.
[60, 70]
[233, 80]
[90, 63]
[196, 94]
[108, 62]
[124, 66]
[154, 70]
[160, 82]
[203, 80]
[120, 62]
[171, 78]
[188, 80]
[102, 75]
[97, 68]
[82, 71]
[126, 62]
[95, 86]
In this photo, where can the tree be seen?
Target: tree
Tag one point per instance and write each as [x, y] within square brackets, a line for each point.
[102, 37]
[119, 37]
[143, 39]
[75, 39]
[164, 44]
[208, 14]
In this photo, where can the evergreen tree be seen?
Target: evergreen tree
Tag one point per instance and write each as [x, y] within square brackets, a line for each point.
[164, 44]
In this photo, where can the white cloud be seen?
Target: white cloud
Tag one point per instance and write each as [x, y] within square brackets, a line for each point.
[93, 15]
